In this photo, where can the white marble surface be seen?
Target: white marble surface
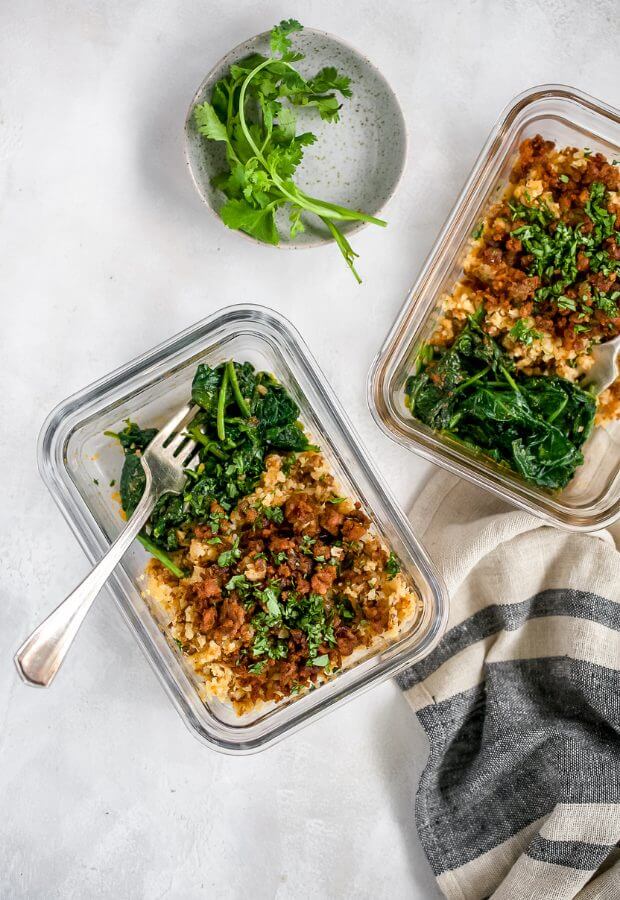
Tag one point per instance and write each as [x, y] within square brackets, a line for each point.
[107, 250]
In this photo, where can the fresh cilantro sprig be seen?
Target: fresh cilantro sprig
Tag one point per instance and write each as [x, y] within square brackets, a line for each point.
[252, 111]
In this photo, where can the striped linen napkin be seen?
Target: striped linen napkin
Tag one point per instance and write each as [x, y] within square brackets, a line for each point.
[520, 797]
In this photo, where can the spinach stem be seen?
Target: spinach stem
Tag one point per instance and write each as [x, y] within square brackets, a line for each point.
[513, 384]
[558, 410]
[206, 442]
[221, 406]
[241, 402]
[474, 378]
[161, 555]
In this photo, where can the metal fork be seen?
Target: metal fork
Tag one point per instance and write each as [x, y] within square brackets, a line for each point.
[164, 461]
[605, 369]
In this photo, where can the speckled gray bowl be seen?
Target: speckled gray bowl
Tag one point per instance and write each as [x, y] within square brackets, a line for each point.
[356, 162]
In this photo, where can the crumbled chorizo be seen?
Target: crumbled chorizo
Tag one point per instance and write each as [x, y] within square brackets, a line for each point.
[331, 519]
[208, 619]
[323, 579]
[231, 616]
[302, 513]
[353, 530]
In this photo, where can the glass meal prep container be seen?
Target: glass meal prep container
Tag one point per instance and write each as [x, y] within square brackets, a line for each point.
[73, 451]
[592, 498]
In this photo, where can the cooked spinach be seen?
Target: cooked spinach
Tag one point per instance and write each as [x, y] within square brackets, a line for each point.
[133, 482]
[244, 415]
[534, 425]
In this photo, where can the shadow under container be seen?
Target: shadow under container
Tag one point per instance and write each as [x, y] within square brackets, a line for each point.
[592, 499]
[73, 452]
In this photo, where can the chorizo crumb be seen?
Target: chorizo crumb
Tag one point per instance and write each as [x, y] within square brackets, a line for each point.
[323, 579]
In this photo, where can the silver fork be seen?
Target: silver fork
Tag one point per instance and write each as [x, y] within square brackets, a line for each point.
[605, 369]
[164, 460]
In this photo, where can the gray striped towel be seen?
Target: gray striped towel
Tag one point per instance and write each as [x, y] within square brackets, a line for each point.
[520, 797]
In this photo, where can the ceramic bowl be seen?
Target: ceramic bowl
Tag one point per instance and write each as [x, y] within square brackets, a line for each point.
[356, 162]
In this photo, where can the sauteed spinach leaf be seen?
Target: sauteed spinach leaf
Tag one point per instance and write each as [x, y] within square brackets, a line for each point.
[244, 415]
[534, 425]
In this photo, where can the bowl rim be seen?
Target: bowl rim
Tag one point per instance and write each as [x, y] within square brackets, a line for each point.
[317, 241]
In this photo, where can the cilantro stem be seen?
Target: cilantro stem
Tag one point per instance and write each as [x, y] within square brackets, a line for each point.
[234, 381]
[321, 208]
[345, 247]
[161, 555]
[343, 212]
[221, 406]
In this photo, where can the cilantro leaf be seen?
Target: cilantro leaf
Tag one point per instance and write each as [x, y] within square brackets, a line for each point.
[328, 80]
[279, 38]
[392, 566]
[319, 660]
[207, 122]
[297, 224]
[260, 223]
[523, 332]
[227, 557]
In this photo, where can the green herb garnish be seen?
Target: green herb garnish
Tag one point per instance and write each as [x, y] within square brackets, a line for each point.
[253, 113]
[392, 566]
[524, 333]
[319, 660]
[227, 557]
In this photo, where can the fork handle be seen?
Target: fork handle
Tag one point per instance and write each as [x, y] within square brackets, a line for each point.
[42, 654]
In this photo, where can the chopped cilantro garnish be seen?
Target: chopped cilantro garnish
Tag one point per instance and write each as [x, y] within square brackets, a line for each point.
[227, 557]
[524, 333]
[257, 667]
[392, 566]
[607, 303]
[307, 543]
[238, 583]
[566, 303]
[319, 660]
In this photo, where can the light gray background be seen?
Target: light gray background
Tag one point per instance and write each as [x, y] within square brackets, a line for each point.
[105, 251]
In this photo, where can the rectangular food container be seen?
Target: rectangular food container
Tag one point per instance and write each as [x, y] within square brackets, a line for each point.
[592, 499]
[73, 452]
